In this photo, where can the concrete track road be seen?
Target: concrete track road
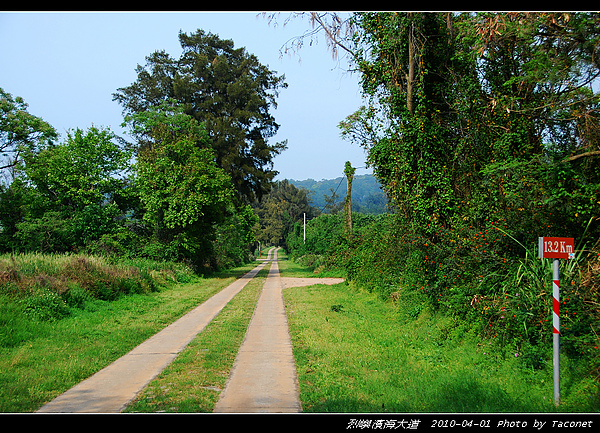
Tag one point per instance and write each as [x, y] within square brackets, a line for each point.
[263, 378]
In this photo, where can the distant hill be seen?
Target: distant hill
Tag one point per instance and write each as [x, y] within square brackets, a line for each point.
[367, 195]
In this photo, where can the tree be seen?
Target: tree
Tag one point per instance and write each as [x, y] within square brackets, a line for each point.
[332, 206]
[404, 59]
[458, 102]
[20, 131]
[538, 112]
[235, 238]
[284, 206]
[229, 91]
[87, 169]
[184, 194]
[66, 195]
[349, 172]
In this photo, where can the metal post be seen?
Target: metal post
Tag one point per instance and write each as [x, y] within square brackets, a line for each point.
[305, 227]
[556, 329]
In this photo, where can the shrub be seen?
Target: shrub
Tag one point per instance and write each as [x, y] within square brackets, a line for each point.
[77, 277]
[46, 305]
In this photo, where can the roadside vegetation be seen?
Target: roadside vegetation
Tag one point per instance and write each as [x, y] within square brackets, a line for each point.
[81, 313]
[504, 318]
[483, 130]
[355, 351]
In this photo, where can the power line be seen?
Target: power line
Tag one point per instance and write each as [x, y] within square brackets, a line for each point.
[341, 180]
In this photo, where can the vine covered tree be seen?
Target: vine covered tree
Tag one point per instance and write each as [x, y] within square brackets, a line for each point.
[479, 113]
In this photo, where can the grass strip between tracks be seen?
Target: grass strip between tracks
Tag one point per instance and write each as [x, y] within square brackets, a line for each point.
[193, 381]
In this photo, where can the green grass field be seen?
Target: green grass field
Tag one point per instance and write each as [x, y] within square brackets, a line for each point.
[354, 352]
[357, 353]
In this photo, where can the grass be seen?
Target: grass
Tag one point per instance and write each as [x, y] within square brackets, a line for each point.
[193, 381]
[354, 352]
[357, 353]
[40, 358]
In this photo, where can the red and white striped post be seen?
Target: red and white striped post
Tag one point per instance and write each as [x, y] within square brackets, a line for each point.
[556, 248]
[556, 329]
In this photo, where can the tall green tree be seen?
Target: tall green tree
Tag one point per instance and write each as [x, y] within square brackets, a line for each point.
[226, 89]
[89, 168]
[184, 194]
[283, 207]
[20, 131]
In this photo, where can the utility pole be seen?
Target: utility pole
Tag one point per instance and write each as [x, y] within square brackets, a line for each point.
[349, 172]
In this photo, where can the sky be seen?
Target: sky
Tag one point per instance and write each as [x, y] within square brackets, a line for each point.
[66, 67]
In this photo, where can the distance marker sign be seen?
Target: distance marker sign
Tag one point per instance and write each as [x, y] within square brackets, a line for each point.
[556, 248]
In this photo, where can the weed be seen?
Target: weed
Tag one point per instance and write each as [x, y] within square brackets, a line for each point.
[103, 278]
[45, 306]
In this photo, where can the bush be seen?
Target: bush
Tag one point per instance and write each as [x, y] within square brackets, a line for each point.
[46, 305]
[79, 277]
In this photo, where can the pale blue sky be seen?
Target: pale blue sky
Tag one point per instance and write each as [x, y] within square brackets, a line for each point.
[66, 66]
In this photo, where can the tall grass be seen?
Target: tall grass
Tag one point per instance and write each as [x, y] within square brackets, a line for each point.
[47, 287]
[101, 277]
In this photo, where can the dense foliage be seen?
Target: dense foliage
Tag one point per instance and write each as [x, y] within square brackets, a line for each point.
[180, 192]
[19, 130]
[483, 130]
